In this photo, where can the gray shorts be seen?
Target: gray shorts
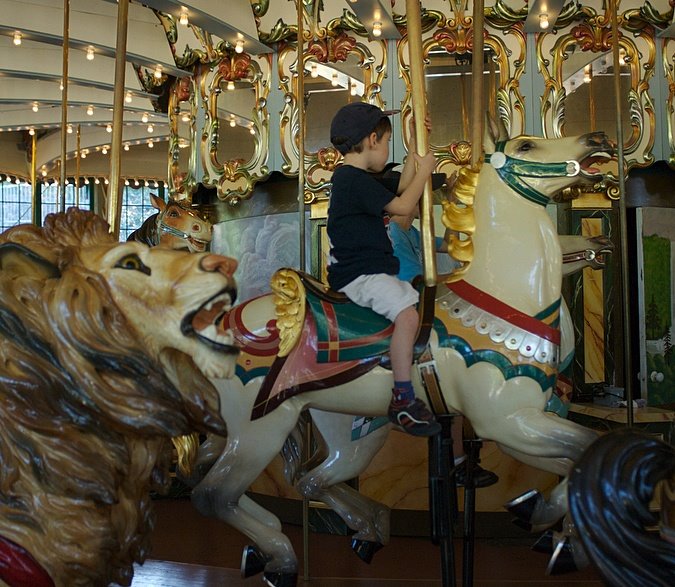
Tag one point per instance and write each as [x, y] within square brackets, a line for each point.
[385, 294]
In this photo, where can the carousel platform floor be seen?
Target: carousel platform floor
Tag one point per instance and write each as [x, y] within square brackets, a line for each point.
[189, 550]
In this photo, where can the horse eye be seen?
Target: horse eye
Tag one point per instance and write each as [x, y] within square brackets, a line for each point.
[134, 263]
[173, 214]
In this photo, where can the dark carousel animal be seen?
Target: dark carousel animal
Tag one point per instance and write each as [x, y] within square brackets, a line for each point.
[610, 490]
[174, 226]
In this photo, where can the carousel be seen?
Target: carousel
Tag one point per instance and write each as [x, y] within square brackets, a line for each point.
[167, 325]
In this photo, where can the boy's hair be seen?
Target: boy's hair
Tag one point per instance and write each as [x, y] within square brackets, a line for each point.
[354, 122]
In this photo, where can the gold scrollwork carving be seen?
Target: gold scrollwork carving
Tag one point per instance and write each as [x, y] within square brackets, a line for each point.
[581, 52]
[182, 136]
[251, 76]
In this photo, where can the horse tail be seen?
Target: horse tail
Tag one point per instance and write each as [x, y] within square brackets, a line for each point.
[293, 450]
[610, 489]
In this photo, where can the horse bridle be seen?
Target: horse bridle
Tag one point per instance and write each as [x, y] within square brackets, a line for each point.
[165, 228]
[511, 170]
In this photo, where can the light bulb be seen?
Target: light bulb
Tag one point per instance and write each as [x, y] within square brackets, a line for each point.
[31, 131]
[126, 146]
[86, 181]
[126, 182]
[83, 155]
[377, 29]
[352, 91]
[17, 181]
[106, 181]
[233, 123]
[230, 85]
[90, 53]
[239, 46]
[144, 118]
[104, 150]
[158, 72]
[251, 130]
[136, 183]
[97, 181]
[69, 129]
[150, 144]
[108, 127]
[186, 117]
[314, 71]
[90, 110]
[44, 173]
[36, 107]
[622, 56]
[151, 128]
[183, 19]
[587, 74]
[128, 97]
[17, 38]
[543, 20]
[334, 80]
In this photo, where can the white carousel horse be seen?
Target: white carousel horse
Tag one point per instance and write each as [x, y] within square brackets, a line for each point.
[494, 342]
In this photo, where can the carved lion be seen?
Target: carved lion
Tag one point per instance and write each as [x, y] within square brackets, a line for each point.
[102, 361]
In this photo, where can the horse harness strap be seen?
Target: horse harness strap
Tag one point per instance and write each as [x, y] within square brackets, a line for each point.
[426, 366]
[511, 171]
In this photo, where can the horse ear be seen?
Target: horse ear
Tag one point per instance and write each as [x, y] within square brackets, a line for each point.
[494, 131]
[157, 202]
[18, 259]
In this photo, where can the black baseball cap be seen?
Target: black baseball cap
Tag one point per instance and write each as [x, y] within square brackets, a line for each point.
[353, 123]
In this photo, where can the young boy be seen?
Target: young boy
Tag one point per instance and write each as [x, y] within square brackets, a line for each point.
[362, 263]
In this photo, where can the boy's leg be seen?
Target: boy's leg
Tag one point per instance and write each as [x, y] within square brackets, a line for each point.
[410, 413]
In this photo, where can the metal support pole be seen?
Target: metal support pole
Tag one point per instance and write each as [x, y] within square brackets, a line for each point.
[77, 169]
[301, 131]
[477, 114]
[34, 181]
[64, 105]
[623, 222]
[114, 208]
[419, 107]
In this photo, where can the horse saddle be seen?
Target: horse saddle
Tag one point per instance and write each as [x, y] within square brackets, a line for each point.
[325, 340]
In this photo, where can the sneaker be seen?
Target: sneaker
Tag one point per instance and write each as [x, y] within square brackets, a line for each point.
[481, 477]
[413, 417]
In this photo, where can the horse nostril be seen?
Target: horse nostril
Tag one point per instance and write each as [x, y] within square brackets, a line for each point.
[196, 227]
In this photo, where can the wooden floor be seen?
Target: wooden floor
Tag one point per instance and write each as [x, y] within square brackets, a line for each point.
[189, 550]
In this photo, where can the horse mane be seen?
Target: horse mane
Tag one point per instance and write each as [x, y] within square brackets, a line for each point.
[147, 233]
[610, 489]
[458, 216]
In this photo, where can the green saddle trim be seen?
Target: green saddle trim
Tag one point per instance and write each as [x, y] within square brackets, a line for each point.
[347, 332]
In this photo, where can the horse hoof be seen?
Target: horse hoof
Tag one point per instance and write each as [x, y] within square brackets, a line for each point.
[544, 543]
[523, 506]
[562, 559]
[365, 549]
[252, 561]
[281, 579]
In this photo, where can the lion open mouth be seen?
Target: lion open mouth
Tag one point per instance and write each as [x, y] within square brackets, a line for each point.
[204, 323]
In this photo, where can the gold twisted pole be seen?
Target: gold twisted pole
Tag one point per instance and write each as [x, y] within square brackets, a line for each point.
[419, 108]
[477, 114]
[64, 105]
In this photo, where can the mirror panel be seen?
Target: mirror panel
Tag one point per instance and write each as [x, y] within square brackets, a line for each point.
[182, 140]
[236, 128]
[338, 69]
[669, 70]
[577, 64]
[447, 50]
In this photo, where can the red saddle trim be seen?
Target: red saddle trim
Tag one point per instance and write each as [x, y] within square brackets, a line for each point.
[19, 569]
[486, 302]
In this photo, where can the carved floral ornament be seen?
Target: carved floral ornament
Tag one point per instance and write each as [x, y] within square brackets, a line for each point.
[182, 172]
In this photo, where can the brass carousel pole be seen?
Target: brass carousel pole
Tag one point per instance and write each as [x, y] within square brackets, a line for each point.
[33, 180]
[419, 107]
[114, 204]
[77, 169]
[64, 104]
[477, 84]
[623, 222]
[301, 222]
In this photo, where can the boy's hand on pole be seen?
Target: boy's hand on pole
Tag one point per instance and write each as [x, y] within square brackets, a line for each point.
[425, 163]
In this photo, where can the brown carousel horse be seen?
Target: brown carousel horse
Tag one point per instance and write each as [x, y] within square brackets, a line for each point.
[174, 226]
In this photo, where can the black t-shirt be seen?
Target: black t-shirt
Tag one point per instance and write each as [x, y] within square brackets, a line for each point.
[358, 238]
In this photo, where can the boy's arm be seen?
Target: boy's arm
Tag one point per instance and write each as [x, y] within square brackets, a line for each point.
[406, 202]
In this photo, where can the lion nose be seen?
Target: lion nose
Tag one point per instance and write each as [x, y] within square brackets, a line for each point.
[225, 265]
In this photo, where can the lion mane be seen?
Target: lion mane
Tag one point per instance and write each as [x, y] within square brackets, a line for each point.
[86, 414]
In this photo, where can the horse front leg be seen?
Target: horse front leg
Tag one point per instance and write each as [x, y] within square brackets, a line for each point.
[250, 448]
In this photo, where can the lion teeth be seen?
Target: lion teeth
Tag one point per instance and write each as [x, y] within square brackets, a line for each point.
[221, 299]
[211, 332]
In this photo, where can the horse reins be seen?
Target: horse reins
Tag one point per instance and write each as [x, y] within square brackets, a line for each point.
[511, 170]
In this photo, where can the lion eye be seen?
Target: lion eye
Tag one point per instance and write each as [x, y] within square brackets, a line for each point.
[134, 263]
[526, 146]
